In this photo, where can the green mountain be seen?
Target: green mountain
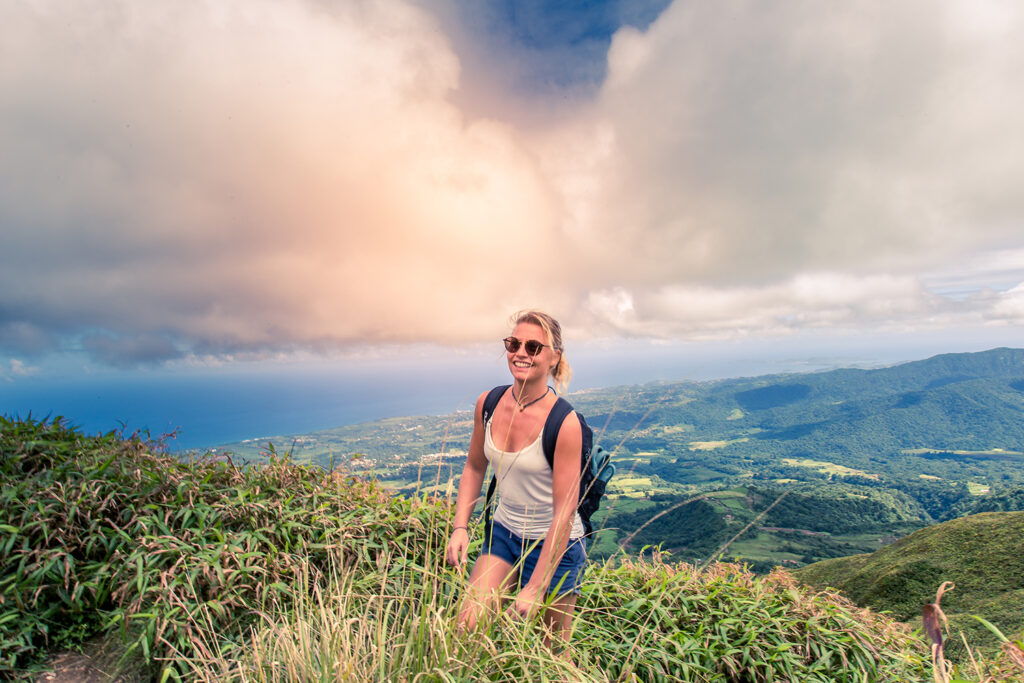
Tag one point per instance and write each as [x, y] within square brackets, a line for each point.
[948, 417]
[982, 554]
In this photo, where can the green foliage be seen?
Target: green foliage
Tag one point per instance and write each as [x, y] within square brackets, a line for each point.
[100, 533]
[668, 622]
[808, 523]
[826, 510]
[696, 527]
[1005, 501]
[287, 572]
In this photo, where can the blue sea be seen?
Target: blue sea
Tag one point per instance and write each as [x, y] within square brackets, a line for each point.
[203, 410]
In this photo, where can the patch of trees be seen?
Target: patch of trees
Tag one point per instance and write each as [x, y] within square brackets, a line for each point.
[940, 499]
[1007, 501]
[772, 396]
[695, 527]
[821, 547]
[837, 515]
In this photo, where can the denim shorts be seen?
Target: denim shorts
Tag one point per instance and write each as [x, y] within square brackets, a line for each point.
[520, 552]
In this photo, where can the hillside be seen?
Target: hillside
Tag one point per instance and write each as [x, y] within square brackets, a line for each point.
[204, 570]
[983, 554]
[869, 455]
[762, 527]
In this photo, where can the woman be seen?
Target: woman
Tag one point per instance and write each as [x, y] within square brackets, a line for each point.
[535, 543]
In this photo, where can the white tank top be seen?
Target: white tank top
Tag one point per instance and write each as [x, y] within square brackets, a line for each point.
[525, 499]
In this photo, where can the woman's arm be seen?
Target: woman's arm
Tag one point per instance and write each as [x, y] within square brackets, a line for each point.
[469, 490]
[565, 488]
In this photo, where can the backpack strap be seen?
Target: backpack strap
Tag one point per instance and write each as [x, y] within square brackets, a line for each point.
[490, 403]
[552, 426]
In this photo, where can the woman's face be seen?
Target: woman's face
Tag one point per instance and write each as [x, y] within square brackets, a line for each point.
[529, 368]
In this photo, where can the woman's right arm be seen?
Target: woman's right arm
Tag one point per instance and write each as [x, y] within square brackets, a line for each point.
[469, 490]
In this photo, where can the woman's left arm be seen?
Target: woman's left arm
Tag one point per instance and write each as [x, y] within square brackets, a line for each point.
[565, 487]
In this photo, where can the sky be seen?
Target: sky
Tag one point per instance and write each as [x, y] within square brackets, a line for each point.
[235, 183]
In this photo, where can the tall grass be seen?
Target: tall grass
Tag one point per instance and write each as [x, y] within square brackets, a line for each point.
[102, 534]
[209, 571]
[637, 621]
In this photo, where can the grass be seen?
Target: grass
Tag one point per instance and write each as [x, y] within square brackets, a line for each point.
[207, 571]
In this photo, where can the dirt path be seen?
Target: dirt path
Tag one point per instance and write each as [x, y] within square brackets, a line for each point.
[97, 663]
[73, 667]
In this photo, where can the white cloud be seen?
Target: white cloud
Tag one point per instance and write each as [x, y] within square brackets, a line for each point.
[1008, 308]
[243, 175]
[807, 301]
[756, 141]
[17, 368]
[238, 178]
[772, 167]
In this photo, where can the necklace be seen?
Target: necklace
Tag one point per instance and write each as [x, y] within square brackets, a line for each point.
[524, 406]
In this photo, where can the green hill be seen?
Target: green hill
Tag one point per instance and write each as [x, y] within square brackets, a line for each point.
[982, 554]
[764, 527]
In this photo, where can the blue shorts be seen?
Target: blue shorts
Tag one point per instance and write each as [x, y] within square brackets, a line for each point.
[568, 576]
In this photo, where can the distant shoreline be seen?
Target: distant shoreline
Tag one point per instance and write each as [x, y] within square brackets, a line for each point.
[210, 410]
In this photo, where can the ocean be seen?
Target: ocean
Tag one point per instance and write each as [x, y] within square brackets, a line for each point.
[203, 411]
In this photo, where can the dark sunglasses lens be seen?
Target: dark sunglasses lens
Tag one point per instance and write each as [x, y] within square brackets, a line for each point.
[533, 347]
[512, 344]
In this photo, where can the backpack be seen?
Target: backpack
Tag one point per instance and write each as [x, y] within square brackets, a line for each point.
[596, 468]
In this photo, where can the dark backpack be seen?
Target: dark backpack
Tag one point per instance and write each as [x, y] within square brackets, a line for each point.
[595, 463]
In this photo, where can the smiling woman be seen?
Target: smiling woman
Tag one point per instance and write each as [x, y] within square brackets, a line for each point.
[534, 550]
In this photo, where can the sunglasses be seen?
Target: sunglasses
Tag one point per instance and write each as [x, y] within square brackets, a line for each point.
[532, 346]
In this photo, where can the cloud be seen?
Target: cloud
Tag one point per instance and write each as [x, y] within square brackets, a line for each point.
[744, 149]
[1008, 308]
[211, 179]
[17, 368]
[245, 175]
[813, 300]
[128, 352]
[21, 336]
[754, 141]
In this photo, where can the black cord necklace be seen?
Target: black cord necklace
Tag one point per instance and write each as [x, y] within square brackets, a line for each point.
[524, 406]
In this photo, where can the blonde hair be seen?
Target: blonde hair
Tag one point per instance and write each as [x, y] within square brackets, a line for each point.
[561, 373]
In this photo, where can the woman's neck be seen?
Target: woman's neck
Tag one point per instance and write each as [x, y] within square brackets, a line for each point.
[527, 391]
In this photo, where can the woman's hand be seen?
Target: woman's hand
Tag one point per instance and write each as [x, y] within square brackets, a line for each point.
[457, 551]
[526, 603]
